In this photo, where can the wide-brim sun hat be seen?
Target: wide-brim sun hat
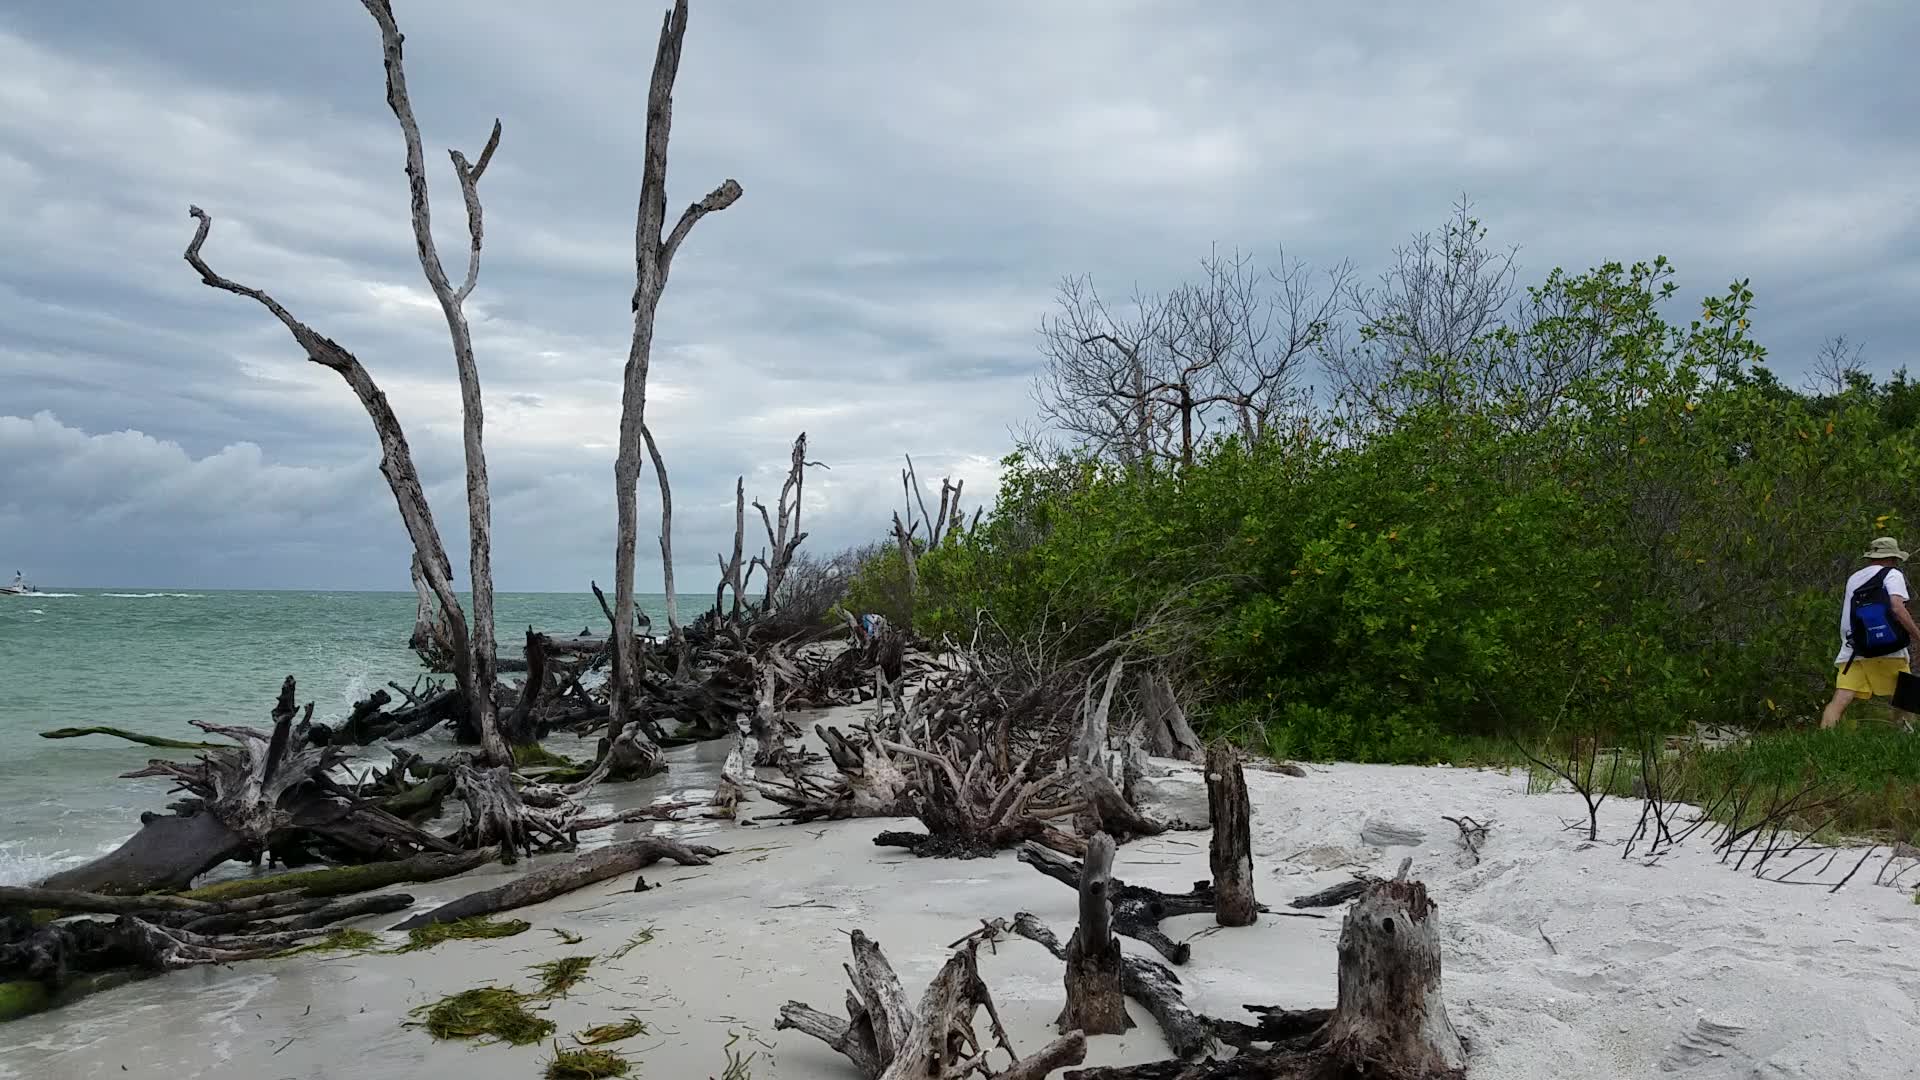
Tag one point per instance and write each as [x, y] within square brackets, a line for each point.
[1885, 547]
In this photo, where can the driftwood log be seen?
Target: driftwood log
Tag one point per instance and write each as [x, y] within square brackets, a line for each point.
[885, 1039]
[1230, 854]
[1389, 1023]
[551, 881]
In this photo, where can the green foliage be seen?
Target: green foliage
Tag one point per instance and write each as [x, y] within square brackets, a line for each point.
[1652, 537]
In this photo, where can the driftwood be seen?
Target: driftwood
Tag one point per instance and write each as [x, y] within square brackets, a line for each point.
[1230, 854]
[1149, 982]
[269, 792]
[1163, 722]
[1102, 774]
[885, 1040]
[782, 545]
[53, 955]
[344, 880]
[1389, 1023]
[155, 741]
[1137, 910]
[551, 881]
[1095, 1001]
[654, 249]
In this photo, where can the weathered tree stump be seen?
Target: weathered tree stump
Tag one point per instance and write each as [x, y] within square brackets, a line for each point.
[1390, 1022]
[1391, 1013]
[1231, 853]
[1095, 1001]
[885, 1040]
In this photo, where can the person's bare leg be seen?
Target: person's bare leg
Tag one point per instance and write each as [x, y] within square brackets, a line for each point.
[1837, 708]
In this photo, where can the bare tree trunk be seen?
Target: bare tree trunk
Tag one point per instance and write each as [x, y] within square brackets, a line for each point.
[1231, 853]
[653, 257]
[782, 545]
[1095, 1001]
[666, 533]
[481, 643]
[730, 568]
[1391, 1013]
[396, 458]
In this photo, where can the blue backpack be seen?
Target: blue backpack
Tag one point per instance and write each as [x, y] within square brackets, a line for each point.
[1873, 630]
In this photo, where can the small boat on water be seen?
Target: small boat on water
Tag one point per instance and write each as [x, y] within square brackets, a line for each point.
[20, 587]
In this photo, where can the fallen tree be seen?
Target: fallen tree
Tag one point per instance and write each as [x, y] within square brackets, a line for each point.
[266, 796]
[560, 878]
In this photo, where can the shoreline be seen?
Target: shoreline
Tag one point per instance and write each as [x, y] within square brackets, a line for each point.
[1560, 958]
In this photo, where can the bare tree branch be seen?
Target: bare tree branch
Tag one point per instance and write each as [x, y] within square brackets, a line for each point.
[479, 501]
[652, 258]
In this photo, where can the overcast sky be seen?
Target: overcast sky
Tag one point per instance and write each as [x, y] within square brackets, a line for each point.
[918, 177]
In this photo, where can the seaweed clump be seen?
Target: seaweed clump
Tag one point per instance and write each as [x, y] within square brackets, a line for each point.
[488, 1012]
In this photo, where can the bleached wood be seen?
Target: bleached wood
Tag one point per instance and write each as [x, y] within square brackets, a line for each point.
[473, 421]
[653, 257]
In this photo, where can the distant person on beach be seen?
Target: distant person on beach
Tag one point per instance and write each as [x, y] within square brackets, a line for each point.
[1877, 632]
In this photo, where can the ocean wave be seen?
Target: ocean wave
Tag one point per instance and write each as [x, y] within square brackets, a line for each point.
[155, 595]
[53, 595]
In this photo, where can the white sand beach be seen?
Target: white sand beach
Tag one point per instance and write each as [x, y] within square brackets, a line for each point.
[1684, 969]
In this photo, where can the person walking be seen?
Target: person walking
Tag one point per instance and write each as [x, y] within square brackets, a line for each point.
[1877, 633]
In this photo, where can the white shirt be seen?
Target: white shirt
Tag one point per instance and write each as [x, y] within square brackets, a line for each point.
[1896, 588]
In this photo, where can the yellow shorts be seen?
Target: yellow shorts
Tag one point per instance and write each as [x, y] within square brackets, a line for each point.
[1872, 676]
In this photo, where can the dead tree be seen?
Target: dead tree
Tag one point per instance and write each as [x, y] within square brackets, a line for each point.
[666, 536]
[1231, 852]
[947, 522]
[473, 652]
[1137, 909]
[781, 545]
[653, 258]
[1152, 984]
[885, 1040]
[1095, 1002]
[1389, 1023]
[452, 301]
[1164, 722]
[732, 571]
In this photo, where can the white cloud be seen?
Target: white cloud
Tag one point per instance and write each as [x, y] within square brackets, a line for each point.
[916, 180]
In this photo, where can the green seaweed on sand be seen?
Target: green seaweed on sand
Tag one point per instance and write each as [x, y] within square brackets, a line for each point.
[644, 936]
[475, 927]
[559, 976]
[606, 1033]
[585, 1064]
[346, 940]
[487, 1012]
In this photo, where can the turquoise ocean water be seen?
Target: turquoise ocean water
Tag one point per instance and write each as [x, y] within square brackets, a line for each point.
[152, 661]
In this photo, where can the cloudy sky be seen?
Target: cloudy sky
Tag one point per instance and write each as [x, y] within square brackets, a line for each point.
[918, 177]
